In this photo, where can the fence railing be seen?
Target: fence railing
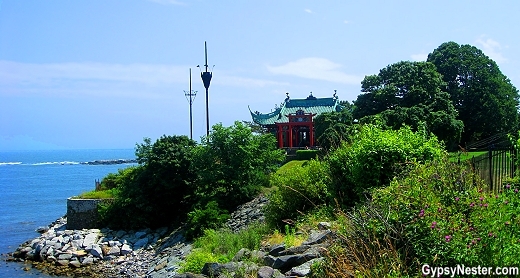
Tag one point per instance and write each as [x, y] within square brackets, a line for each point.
[495, 166]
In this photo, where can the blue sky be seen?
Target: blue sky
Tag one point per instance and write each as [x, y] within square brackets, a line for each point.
[106, 73]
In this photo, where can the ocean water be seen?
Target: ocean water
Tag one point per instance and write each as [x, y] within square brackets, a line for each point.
[34, 187]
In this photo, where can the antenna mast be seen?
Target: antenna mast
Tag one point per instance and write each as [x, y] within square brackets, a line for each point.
[190, 96]
[206, 79]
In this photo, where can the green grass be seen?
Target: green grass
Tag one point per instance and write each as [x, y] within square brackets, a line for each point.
[101, 194]
[454, 157]
[221, 245]
[293, 163]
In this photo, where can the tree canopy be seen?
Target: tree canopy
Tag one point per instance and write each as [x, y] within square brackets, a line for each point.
[333, 127]
[486, 100]
[409, 93]
[234, 163]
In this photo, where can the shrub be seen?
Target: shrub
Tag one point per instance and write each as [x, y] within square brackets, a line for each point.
[156, 193]
[374, 157]
[306, 154]
[298, 189]
[210, 217]
[234, 164]
[440, 214]
[222, 245]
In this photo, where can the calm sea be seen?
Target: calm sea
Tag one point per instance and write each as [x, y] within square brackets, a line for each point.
[34, 187]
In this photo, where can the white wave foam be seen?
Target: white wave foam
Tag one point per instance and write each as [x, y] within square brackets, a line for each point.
[57, 163]
[10, 163]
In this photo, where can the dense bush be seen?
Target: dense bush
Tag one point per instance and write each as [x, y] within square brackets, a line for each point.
[158, 192]
[233, 164]
[374, 157]
[201, 219]
[298, 189]
[448, 217]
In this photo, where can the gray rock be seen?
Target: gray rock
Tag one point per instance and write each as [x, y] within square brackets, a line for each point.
[242, 254]
[317, 237]
[62, 262]
[303, 269]
[265, 272]
[269, 260]
[51, 259]
[287, 262]
[96, 251]
[324, 225]
[87, 261]
[140, 234]
[90, 239]
[75, 264]
[294, 250]
[126, 249]
[140, 243]
[64, 256]
[114, 251]
[276, 249]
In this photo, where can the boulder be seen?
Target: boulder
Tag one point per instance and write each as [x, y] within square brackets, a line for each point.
[318, 237]
[126, 249]
[303, 269]
[265, 272]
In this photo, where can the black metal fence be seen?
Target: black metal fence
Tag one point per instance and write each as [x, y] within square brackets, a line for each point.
[495, 166]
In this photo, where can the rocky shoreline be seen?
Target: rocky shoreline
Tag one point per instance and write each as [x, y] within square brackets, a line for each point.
[159, 253]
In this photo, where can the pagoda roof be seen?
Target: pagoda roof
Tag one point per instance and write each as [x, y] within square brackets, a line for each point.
[310, 104]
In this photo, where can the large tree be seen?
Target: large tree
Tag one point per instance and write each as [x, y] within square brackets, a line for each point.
[409, 93]
[486, 100]
[333, 127]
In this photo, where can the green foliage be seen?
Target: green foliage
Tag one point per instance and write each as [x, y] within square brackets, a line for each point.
[485, 99]
[299, 189]
[98, 194]
[307, 154]
[158, 192]
[334, 127]
[374, 158]
[409, 93]
[196, 260]
[210, 217]
[234, 164]
[115, 180]
[446, 217]
[222, 245]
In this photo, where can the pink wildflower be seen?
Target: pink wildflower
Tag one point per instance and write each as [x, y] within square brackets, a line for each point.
[448, 238]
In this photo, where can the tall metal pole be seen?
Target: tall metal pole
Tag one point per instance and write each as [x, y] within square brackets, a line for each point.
[190, 96]
[206, 79]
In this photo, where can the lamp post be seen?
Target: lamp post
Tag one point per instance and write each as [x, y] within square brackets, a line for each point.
[190, 96]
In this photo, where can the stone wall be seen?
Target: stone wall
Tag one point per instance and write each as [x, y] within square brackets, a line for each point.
[83, 213]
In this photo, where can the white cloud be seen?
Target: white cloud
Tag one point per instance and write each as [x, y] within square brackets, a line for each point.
[420, 57]
[135, 80]
[236, 81]
[492, 49]
[309, 11]
[44, 73]
[168, 2]
[316, 68]
[346, 21]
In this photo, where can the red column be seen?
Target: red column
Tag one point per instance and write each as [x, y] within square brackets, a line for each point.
[311, 135]
[290, 136]
[280, 136]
